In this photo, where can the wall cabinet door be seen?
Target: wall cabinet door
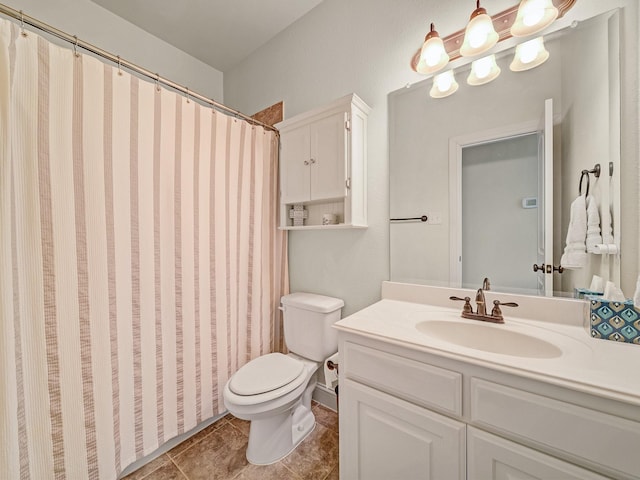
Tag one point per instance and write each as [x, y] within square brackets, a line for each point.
[383, 437]
[314, 160]
[295, 167]
[494, 458]
[328, 157]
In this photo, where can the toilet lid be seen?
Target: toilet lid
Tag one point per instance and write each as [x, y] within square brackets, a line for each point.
[265, 373]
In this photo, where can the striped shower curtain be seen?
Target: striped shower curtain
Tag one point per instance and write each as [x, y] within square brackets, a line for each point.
[140, 264]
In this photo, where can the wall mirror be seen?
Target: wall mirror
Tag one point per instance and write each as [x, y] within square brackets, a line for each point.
[477, 166]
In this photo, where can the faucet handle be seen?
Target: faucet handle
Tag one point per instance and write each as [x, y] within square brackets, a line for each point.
[496, 312]
[467, 303]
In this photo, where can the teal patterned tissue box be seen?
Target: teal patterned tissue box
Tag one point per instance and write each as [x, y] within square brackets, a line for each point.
[617, 321]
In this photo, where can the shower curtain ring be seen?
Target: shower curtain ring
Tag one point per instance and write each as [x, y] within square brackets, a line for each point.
[75, 46]
[119, 66]
[157, 82]
[187, 94]
[22, 31]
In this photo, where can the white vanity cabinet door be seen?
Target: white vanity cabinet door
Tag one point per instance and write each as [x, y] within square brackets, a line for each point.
[493, 458]
[383, 437]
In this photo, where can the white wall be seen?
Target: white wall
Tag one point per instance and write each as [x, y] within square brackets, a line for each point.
[364, 46]
[105, 30]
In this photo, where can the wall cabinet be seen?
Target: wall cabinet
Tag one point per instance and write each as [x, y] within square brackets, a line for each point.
[323, 164]
[410, 414]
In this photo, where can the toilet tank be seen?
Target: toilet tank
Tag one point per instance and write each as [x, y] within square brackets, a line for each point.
[307, 319]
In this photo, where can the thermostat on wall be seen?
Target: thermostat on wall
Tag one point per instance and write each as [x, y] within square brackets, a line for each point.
[530, 202]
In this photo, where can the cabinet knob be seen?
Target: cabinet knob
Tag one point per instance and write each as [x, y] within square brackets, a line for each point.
[306, 162]
[313, 160]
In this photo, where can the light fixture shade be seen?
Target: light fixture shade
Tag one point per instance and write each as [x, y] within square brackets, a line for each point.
[483, 71]
[444, 85]
[433, 56]
[533, 16]
[479, 36]
[529, 55]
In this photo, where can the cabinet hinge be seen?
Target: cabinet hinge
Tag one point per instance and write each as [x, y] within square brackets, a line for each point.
[347, 125]
[348, 183]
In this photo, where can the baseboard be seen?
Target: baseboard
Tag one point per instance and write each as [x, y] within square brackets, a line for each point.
[326, 397]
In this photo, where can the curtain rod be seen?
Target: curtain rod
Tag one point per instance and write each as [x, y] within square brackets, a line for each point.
[116, 59]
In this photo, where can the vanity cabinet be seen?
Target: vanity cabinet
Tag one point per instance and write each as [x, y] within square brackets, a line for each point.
[323, 164]
[413, 414]
[392, 438]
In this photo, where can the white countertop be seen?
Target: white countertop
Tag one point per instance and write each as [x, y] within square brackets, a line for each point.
[599, 367]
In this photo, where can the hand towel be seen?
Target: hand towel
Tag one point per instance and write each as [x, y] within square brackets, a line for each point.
[607, 231]
[575, 255]
[593, 224]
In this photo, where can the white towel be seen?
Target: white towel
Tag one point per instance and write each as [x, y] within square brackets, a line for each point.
[607, 231]
[593, 224]
[575, 255]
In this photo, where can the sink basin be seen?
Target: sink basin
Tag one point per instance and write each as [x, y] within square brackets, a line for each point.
[489, 338]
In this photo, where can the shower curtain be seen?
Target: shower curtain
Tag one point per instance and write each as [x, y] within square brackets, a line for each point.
[140, 263]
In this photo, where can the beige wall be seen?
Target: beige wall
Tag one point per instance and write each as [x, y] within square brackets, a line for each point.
[106, 30]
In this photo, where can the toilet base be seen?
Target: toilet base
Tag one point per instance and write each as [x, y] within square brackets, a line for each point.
[273, 438]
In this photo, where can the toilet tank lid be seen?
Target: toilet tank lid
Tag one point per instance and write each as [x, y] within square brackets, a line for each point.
[312, 302]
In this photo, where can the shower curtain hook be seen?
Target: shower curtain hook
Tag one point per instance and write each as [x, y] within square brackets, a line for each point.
[157, 82]
[75, 46]
[187, 94]
[22, 31]
[119, 66]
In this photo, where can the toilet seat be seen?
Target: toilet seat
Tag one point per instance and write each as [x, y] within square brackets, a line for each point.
[264, 374]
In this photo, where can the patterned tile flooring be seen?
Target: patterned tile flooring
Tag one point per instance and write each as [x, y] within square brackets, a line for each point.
[218, 452]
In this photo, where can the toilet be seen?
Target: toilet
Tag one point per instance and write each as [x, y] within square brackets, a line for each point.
[274, 391]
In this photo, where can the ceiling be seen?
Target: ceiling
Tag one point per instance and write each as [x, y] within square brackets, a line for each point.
[221, 33]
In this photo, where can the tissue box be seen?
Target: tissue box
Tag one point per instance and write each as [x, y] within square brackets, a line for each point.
[617, 321]
[581, 292]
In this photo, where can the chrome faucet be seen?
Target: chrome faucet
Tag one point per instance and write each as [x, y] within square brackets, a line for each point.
[481, 306]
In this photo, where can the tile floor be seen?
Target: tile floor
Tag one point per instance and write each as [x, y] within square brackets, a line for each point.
[218, 452]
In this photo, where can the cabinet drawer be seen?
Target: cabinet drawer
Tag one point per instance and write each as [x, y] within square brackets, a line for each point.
[570, 430]
[414, 381]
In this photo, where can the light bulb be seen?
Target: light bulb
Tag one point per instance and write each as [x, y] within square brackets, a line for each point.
[433, 56]
[444, 85]
[482, 67]
[483, 71]
[533, 16]
[532, 12]
[479, 35]
[529, 55]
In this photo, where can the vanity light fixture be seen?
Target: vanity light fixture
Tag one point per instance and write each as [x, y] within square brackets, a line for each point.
[483, 70]
[533, 16]
[433, 56]
[444, 85]
[479, 35]
[529, 55]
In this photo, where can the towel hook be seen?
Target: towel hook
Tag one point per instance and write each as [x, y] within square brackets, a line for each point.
[585, 173]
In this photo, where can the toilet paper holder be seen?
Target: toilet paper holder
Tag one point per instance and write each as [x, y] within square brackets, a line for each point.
[331, 365]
